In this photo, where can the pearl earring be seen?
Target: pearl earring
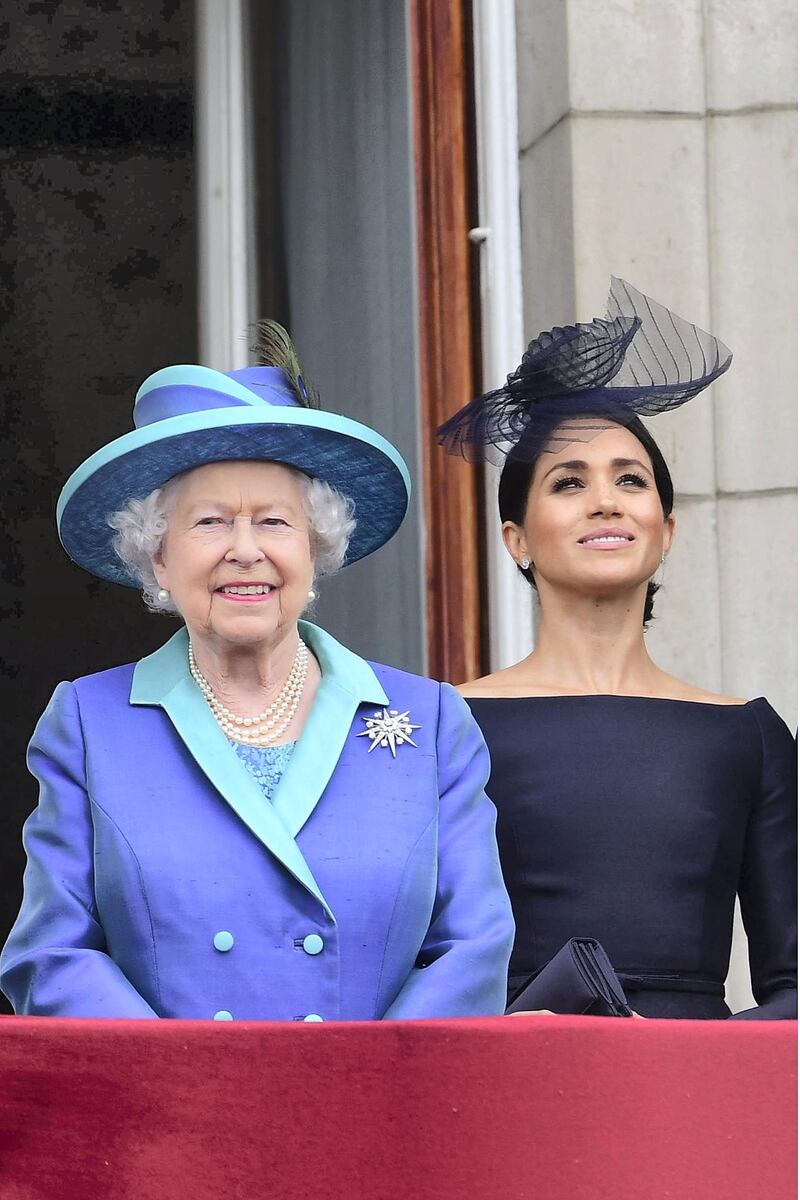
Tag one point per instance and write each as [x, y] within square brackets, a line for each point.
[526, 562]
[312, 595]
[162, 595]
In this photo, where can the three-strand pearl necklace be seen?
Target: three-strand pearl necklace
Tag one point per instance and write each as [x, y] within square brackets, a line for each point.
[267, 726]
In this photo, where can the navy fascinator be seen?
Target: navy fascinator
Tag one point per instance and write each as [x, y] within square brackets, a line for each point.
[639, 360]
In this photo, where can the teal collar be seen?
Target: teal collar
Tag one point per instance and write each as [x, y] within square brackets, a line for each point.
[163, 679]
[155, 676]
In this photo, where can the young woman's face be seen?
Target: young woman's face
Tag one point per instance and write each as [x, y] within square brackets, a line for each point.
[237, 554]
[594, 522]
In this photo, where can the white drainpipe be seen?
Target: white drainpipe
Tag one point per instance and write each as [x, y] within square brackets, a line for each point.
[225, 245]
[509, 600]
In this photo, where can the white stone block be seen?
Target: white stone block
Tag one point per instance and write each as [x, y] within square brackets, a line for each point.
[758, 599]
[547, 233]
[640, 208]
[753, 172]
[640, 211]
[636, 55]
[542, 68]
[684, 637]
[751, 53]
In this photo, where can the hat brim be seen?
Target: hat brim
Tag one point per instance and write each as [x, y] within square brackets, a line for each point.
[344, 453]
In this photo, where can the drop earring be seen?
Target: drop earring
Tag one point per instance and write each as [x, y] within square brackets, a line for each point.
[658, 577]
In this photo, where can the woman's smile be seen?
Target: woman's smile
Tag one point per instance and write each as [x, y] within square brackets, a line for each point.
[607, 539]
[246, 593]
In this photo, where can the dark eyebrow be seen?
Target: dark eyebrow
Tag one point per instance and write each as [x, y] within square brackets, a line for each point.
[574, 465]
[577, 464]
[630, 462]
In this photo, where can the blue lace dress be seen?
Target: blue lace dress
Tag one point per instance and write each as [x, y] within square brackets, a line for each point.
[267, 764]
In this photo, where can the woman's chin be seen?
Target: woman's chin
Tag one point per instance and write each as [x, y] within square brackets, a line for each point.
[243, 630]
[604, 585]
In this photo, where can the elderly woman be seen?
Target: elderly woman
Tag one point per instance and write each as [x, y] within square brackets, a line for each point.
[253, 822]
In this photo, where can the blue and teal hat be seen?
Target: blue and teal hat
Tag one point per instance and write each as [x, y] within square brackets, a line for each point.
[188, 416]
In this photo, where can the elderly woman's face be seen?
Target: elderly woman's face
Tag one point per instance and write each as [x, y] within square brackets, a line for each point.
[237, 556]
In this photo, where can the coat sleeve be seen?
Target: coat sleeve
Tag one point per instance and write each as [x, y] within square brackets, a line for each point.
[55, 962]
[462, 967]
[768, 885]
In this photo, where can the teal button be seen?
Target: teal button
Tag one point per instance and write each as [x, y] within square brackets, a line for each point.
[224, 1015]
[313, 944]
[313, 1017]
[223, 940]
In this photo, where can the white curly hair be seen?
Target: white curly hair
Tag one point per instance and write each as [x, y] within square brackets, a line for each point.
[140, 527]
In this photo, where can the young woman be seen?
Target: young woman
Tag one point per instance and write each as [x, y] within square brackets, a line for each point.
[632, 806]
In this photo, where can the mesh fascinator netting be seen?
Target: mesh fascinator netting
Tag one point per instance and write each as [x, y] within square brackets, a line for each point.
[640, 360]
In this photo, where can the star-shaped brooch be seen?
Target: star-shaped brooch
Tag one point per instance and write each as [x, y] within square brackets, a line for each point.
[389, 728]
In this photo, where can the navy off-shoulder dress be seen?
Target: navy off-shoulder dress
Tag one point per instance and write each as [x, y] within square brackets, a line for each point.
[636, 821]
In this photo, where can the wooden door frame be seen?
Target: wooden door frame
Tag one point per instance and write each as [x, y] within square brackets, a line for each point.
[441, 58]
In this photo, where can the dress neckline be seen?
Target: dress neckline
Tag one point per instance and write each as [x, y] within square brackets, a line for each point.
[613, 696]
[275, 746]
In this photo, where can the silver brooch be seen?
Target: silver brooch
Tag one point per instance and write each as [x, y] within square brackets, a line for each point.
[390, 729]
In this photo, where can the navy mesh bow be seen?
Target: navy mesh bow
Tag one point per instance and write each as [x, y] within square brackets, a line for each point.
[640, 359]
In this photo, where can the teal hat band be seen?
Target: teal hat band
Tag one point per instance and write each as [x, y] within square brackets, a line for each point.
[177, 391]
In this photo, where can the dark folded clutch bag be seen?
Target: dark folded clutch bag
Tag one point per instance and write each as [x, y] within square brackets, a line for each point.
[579, 979]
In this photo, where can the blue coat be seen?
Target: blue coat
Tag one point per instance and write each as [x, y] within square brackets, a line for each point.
[161, 883]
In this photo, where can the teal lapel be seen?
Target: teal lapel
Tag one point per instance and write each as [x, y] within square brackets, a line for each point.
[163, 679]
[347, 681]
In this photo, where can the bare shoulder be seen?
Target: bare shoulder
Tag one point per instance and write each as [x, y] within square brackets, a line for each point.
[477, 687]
[497, 684]
[679, 689]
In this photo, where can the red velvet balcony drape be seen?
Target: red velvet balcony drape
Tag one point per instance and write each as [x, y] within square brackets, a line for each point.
[556, 1108]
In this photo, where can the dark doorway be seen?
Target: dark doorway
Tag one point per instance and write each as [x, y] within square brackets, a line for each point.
[97, 287]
